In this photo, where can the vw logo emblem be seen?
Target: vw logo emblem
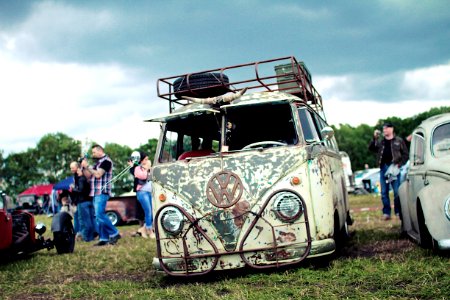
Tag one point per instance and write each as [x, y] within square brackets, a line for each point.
[224, 189]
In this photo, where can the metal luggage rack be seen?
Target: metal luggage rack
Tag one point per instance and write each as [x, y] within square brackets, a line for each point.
[290, 76]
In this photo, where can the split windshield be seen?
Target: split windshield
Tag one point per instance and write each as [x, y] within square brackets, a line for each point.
[200, 134]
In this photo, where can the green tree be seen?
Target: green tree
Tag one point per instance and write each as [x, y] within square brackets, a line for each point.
[21, 171]
[54, 152]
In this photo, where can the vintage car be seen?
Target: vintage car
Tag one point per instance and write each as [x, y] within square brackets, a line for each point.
[246, 178]
[122, 209]
[425, 194]
[18, 232]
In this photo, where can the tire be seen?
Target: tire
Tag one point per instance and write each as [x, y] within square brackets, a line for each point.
[210, 85]
[426, 240]
[64, 239]
[114, 217]
[340, 235]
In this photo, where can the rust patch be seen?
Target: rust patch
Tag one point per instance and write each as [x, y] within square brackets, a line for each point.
[238, 212]
[286, 237]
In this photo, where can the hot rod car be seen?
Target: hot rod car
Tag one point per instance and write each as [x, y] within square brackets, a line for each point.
[18, 232]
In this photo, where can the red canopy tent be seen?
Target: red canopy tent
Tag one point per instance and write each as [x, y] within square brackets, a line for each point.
[38, 190]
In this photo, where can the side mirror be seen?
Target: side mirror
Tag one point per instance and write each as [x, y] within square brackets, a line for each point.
[327, 132]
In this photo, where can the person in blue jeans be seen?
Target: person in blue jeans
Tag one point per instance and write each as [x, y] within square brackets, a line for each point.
[143, 187]
[85, 214]
[100, 176]
[390, 150]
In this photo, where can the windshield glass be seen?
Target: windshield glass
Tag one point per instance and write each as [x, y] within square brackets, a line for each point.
[194, 136]
[441, 141]
[269, 125]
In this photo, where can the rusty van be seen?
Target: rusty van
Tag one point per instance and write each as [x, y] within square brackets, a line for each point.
[247, 172]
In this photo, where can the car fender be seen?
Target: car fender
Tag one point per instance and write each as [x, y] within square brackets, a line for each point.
[59, 219]
[432, 199]
[403, 193]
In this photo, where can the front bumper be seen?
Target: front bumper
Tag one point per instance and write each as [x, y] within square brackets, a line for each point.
[235, 260]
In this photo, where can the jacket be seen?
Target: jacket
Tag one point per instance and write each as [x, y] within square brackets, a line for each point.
[400, 154]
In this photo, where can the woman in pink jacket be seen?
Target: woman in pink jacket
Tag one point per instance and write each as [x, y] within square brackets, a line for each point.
[143, 194]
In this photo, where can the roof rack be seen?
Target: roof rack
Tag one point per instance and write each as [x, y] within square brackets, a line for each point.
[284, 74]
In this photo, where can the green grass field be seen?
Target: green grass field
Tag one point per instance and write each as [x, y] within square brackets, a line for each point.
[376, 264]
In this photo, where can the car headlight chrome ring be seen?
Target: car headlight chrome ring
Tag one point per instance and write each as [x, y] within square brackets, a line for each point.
[287, 206]
[447, 208]
[172, 220]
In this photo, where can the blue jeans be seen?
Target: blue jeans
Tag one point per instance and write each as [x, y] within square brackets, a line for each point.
[105, 228]
[385, 192]
[145, 198]
[86, 220]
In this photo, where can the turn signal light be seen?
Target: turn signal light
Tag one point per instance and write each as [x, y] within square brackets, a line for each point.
[295, 180]
[162, 197]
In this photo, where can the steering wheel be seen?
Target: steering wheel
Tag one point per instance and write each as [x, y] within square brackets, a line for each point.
[264, 143]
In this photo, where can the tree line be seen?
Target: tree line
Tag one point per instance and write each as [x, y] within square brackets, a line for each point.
[49, 161]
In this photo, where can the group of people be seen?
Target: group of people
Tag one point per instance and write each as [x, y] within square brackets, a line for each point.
[91, 190]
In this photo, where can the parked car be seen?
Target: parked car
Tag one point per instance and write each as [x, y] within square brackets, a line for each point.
[122, 209]
[18, 232]
[367, 181]
[425, 194]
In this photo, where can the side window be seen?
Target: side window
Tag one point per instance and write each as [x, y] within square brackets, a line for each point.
[310, 132]
[418, 146]
[169, 148]
[441, 140]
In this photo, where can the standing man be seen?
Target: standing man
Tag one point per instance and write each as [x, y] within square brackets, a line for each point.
[100, 176]
[391, 152]
[79, 193]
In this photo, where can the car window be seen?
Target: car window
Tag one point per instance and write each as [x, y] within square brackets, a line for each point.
[441, 141]
[259, 123]
[169, 149]
[418, 146]
[310, 132]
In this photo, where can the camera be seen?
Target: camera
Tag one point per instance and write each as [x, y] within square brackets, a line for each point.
[135, 157]
[80, 159]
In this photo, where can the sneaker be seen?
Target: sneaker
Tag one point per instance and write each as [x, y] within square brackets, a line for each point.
[386, 217]
[102, 243]
[114, 239]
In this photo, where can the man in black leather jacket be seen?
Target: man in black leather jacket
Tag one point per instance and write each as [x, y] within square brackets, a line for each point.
[391, 149]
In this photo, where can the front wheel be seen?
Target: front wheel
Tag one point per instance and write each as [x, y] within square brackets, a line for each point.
[64, 238]
[114, 217]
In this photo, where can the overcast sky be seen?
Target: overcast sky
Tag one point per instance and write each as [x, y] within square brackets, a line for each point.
[89, 68]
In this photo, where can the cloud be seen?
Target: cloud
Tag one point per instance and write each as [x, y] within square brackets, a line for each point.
[105, 103]
[432, 83]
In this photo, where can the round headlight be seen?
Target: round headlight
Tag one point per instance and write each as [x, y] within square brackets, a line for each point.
[447, 208]
[287, 206]
[172, 220]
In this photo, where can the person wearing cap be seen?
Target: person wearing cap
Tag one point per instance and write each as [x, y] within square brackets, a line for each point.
[392, 153]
